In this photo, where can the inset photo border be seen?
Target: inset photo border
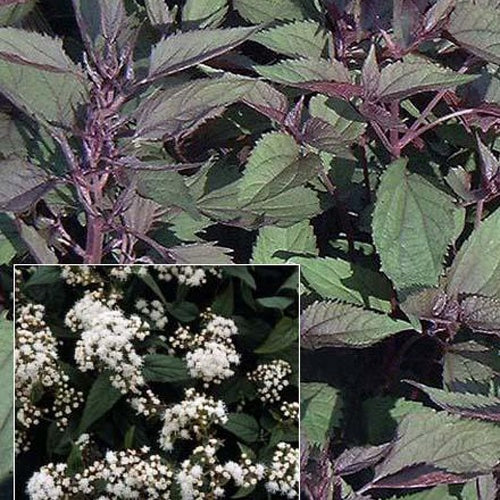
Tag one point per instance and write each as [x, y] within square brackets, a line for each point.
[156, 381]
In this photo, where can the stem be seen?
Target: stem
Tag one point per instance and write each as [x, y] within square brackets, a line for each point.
[394, 134]
[366, 174]
[382, 136]
[411, 136]
[95, 240]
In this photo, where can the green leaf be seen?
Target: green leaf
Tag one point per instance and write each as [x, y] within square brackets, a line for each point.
[166, 188]
[436, 493]
[341, 280]
[275, 302]
[471, 367]
[101, 398]
[205, 253]
[463, 403]
[204, 13]
[22, 185]
[296, 239]
[476, 267]
[49, 97]
[10, 243]
[6, 405]
[477, 29]
[74, 461]
[340, 114]
[15, 11]
[36, 244]
[34, 49]
[414, 75]
[159, 14]
[482, 314]
[296, 71]
[297, 39]
[183, 107]
[442, 442]
[243, 426]
[413, 224]
[330, 324]
[275, 166]
[320, 408]
[183, 50]
[44, 276]
[260, 11]
[163, 368]
[283, 335]
[242, 273]
[223, 304]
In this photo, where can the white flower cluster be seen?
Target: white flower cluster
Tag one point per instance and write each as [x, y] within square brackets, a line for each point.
[155, 312]
[186, 275]
[203, 477]
[283, 474]
[191, 418]
[37, 366]
[146, 404]
[80, 275]
[211, 353]
[290, 411]
[271, 379]
[125, 474]
[107, 340]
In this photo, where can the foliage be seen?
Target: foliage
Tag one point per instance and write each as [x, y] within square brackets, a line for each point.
[132, 360]
[357, 139]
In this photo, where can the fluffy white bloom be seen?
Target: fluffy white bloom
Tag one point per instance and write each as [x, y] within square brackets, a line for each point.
[211, 353]
[271, 379]
[290, 411]
[283, 474]
[186, 275]
[80, 275]
[107, 341]
[190, 418]
[154, 311]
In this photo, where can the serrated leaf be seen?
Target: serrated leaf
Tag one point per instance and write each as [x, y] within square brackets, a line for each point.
[6, 405]
[15, 11]
[463, 403]
[476, 267]
[204, 13]
[413, 75]
[10, 242]
[370, 74]
[243, 426]
[320, 408]
[297, 71]
[49, 97]
[202, 253]
[436, 493]
[183, 50]
[297, 39]
[477, 29]
[340, 114]
[283, 335]
[260, 11]
[413, 224]
[358, 458]
[296, 239]
[483, 488]
[34, 49]
[440, 446]
[275, 166]
[166, 188]
[330, 324]
[162, 368]
[36, 244]
[22, 185]
[341, 280]
[180, 109]
[101, 398]
[481, 313]
[159, 14]
[471, 367]
[489, 164]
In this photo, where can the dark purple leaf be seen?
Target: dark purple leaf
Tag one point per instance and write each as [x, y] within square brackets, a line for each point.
[358, 458]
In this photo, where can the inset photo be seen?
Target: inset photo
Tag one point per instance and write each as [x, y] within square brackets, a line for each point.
[156, 381]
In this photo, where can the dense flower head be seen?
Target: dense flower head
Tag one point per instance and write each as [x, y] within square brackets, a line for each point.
[107, 341]
[186, 275]
[125, 474]
[154, 312]
[37, 367]
[283, 473]
[80, 275]
[271, 379]
[191, 418]
[211, 353]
